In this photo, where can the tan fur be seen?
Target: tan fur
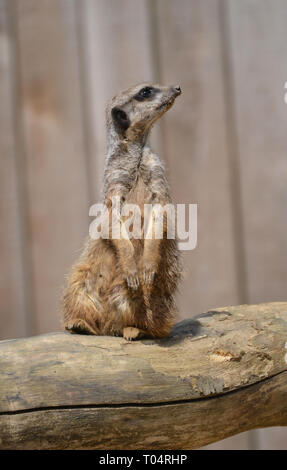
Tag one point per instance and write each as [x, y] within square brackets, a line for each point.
[126, 287]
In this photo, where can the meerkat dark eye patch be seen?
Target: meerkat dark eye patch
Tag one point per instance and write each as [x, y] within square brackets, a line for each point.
[145, 93]
[120, 118]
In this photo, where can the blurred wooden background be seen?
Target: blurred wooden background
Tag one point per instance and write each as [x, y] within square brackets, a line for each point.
[224, 144]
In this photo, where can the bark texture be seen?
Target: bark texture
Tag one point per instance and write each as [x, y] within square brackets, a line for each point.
[218, 374]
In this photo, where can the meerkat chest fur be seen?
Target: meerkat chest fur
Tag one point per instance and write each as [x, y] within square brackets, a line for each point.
[137, 175]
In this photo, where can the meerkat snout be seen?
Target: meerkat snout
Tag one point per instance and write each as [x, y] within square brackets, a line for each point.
[177, 89]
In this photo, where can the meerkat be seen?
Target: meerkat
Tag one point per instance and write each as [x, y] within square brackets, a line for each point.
[125, 286]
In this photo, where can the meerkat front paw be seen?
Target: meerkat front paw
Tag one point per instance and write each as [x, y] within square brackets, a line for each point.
[133, 282]
[148, 273]
[132, 278]
[148, 276]
[130, 333]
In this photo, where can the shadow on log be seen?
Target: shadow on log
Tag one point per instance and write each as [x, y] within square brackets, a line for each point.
[218, 374]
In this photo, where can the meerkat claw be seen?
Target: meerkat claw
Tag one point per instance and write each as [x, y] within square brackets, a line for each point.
[133, 282]
[148, 277]
[151, 277]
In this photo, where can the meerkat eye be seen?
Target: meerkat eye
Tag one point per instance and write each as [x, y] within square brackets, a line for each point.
[144, 93]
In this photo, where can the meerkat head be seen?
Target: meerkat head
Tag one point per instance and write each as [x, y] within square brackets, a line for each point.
[132, 112]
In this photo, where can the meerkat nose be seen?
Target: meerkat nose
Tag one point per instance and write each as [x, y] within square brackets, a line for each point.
[177, 89]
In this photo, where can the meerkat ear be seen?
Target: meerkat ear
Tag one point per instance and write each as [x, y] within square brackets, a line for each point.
[120, 119]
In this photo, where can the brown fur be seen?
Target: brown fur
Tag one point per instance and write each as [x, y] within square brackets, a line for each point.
[127, 286]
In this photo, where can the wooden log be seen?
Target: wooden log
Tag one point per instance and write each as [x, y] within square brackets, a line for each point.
[218, 374]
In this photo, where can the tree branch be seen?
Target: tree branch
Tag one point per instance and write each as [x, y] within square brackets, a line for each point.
[218, 374]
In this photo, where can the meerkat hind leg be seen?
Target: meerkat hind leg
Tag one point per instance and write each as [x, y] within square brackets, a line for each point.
[130, 333]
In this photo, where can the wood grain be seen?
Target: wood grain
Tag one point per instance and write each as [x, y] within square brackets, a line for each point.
[222, 373]
[14, 319]
[53, 148]
[196, 150]
[257, 46]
